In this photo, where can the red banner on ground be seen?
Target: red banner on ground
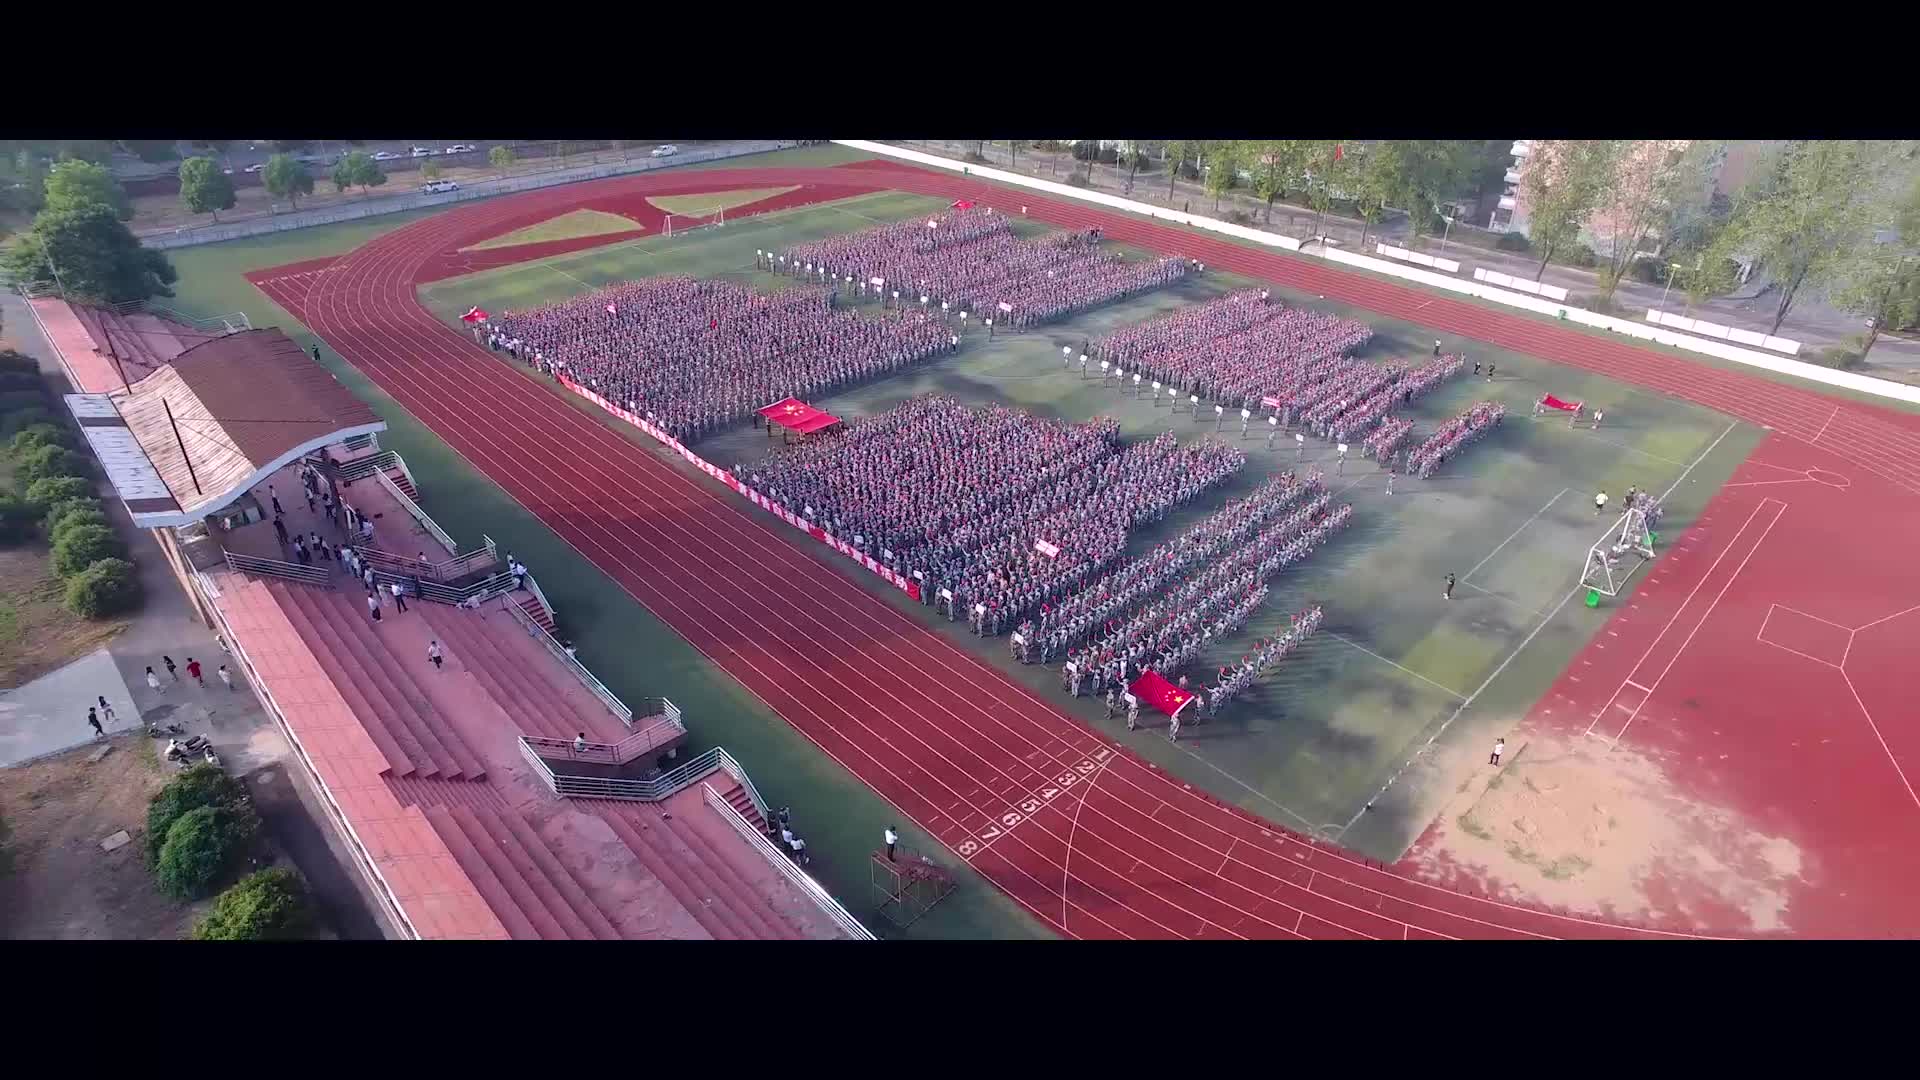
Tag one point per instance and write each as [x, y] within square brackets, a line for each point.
[1156, 691]
[1552, 402]
[798, 417]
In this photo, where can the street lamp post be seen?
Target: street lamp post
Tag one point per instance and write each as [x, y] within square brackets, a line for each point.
[1444, 233]
[1673, 271]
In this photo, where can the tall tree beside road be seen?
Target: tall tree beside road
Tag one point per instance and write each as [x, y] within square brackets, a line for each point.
[1375, 174]
[1632, 197]
[501, 157]
[1174, 154]
[1326, 167]
[1013, 153]
[358, 169]
[23, 181]
[1222, 169]
[204, 188]
[1884, 282]
[287, 177]
[430, 170]
[81, 183]
[91, 253]
[1561, 185]
[1807, 216]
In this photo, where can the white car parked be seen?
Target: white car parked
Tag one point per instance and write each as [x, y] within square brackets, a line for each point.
[461, 148]
[256, 166]
[421, 151]
[436, 187]
[386, 155]
[665, 151]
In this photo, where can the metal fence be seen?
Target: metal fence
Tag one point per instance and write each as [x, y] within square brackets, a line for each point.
[420, 200]
[808, 887]
[252, 564]
[607, 697]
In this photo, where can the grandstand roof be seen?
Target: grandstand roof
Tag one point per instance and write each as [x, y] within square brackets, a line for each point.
[195, 435]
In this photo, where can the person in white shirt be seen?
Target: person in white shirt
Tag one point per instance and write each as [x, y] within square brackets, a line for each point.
[893, 839]
[1499, 747]
[1600, 503]
[1597, 414]
[580, 743]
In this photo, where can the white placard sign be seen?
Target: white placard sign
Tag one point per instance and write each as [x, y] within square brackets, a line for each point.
[1245, 415]
[1299, 438]
[1051, 551]
[1219, 410]
[1343, 449]
[1193, 399]
[876, 281]
[946, 594]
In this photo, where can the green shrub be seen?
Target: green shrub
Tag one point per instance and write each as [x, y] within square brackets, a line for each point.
[1077, 178]
[202, 785]
[1580, 255]
[77, 519]
[1650, 271]
[1513, 241]
[1238, 217]
[42, 461]
[16, 520]
[12, 401]
[12, 423]
[17, 361]
[975, 157]
[57, 512]
[204, 845]
[108, 587]
[270, 905]
[1845, 356]
[80, 548]
[52, 489]
[42, 435]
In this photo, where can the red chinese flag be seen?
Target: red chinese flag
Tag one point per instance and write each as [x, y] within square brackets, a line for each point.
[473, 315]
[963, 204]
[1552, 402]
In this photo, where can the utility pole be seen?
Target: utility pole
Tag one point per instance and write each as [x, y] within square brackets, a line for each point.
[184, 456]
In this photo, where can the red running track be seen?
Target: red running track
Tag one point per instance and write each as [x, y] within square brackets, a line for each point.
[1091, 840]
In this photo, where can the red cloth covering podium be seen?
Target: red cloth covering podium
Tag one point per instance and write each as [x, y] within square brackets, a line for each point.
[798, 417]
[1152, 689]
[1552, 402]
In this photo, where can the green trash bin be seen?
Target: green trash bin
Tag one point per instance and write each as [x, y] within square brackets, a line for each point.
[1593, 598]
[1652, 537]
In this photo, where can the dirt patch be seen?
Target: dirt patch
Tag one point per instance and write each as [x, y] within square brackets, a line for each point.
[567, 226]
[1573, 825]
[55, 881]
[37, 634]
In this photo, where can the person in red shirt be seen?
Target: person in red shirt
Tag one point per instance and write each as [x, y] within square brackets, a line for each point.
[193, 669]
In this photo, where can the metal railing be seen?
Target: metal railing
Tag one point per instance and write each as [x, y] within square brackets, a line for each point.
[645, 741]
[808, 887]
[361, 467]
[650, 790]
[413, 510]
[587, 678]
[253, 564]
[534, 588]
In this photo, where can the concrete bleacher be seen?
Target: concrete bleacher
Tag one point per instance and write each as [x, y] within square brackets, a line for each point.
[518, 674]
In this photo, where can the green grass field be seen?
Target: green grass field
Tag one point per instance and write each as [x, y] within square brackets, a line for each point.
[1512, 517]
[1307, 748]
[567, 226]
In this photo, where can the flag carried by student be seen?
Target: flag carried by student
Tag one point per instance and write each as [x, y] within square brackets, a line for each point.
[473, 315]
[611, 309]
[1552, 402]
[962, 204]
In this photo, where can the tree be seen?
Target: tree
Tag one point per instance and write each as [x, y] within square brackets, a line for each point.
[1013, 153]
[1175, 155]
[1325, 165]
[201, 848]
[1884, 282]
[84, 545]
[430, 170]
[79, 183]
[1632, 197]
[287, 177]
[23, 182]
[1560, 184]
[201, 785]
[270, 905]
[1222, 169]
[501, 157]
[1806, 217]
[96, 151]
[106, 587]
[623, 145]
[358, 169]
[204, 188]
[1374, 175]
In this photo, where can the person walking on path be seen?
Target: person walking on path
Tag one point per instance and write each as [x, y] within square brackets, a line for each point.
[1489, 371]
[1448, 595]
[94, 719]
[434, 654]
[1499, 747]
[226, 676]
[373, 606]
[1597, 414]
[1173, 728]
[275, 499]
[106, 710]
[367, 576]
[1436, 346]
[1600, 503]
[172, 672]
[193, 669]
[153, 681]
[280, 530]
[399, 596]
[893, 841]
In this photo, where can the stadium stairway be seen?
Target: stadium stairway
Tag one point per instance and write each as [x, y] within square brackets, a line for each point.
[525, 884]
[516, 679]
[361, 665]
[685, 863]
[742, 804]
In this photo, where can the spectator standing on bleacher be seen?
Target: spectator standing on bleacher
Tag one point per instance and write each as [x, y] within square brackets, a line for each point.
[893, 841]
[399, 597]
[373, 606]
[434, 654]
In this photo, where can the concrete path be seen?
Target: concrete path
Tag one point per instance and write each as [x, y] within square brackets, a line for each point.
[49, 714]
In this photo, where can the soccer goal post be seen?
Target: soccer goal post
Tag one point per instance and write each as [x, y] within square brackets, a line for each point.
[1626, 547]
[683, 223]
